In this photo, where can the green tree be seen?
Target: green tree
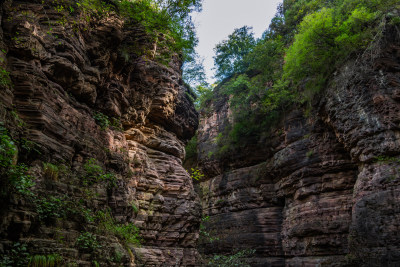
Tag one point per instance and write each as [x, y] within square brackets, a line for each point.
[193, 72]
[325, 39]
[229, 54]
[168, 22]
[179, 8]
[204, 95]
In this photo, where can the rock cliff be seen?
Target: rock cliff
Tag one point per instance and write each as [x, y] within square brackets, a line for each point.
[321, 190]
[86, 99]
[93, 130]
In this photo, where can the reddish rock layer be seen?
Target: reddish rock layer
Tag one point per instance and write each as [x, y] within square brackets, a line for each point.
[322, 190]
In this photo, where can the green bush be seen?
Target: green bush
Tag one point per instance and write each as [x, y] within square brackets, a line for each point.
[102, 120]
[126, 233]
[50, 171]
[236, 259]
[14, 177]
[92, 170]
[88, 214]
[28, 145]
[51, 207]
[386, 159]
[325, 39]
[51, 260]
[196, 174]
[204, 235]
[204, 95]
[134, 207]
[87, 242]
[191, 148]
[94, 173]
[93, 8]
[20, 181]
[15, 256]
[5, 80]
[116, 124]
[8, 149]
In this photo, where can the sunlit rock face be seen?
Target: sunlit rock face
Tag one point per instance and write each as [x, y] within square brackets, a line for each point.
[65, 71]
[321, 190]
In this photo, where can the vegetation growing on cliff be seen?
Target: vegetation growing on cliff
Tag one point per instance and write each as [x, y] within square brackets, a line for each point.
[237, 259]
[14, 177]
[19, 180]
[305, 44]
[65, 195]
[167, 23]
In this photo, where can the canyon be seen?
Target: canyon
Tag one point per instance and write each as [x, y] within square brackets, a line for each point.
[316, 190]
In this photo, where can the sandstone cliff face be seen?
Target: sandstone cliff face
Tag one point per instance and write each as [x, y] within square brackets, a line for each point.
[322, 190]
[65, 71]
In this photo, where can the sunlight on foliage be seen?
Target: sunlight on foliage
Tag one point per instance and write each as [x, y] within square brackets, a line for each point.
[324, 41]
[307, 41]
[196, 174]
[168, 24]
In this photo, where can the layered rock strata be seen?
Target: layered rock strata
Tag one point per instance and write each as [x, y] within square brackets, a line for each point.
[68, 68]
[319, 191]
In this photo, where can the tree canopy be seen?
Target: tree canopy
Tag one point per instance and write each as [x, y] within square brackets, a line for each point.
[230, 53]
[306, 42]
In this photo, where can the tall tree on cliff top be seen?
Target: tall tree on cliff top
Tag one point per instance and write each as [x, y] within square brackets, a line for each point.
[229, 54]
[180, 8]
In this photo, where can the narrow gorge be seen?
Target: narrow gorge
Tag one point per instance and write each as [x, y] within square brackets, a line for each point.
[94, 119]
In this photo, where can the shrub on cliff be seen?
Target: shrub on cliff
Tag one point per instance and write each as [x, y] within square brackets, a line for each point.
[8, 150]
[13, 176]
[94, 173]
[5, 80]
[238, 259]
[326, 38]
[167, 23]
[126, 233]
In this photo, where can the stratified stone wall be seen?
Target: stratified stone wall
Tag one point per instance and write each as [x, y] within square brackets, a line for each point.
[65, 70]
[322, 190]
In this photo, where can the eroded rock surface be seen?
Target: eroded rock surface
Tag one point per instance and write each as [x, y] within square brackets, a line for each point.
[322, 190]
[65, 71]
